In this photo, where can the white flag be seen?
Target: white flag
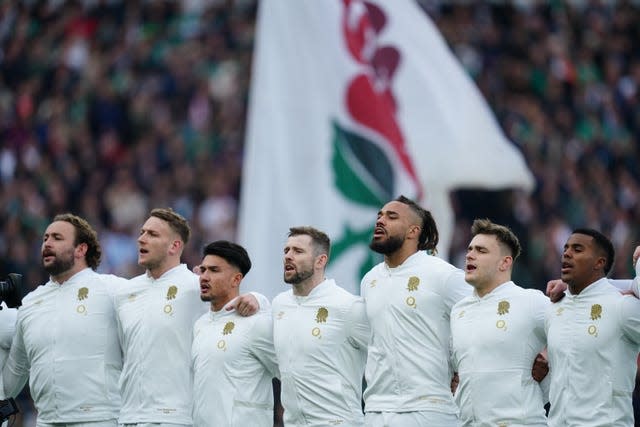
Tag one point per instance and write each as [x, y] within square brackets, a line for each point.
[352, 104]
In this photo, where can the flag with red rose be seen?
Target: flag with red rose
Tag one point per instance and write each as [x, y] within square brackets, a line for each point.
[353, 103]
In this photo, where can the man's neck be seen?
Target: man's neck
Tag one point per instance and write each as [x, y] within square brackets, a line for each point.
[576, 288]
[64, 276]
[218, 304]
[303, 289]
[157, 272]
[398, 257]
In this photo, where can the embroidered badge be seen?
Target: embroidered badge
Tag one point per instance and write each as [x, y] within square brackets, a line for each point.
[461, 314]
[222, 345]
[501, 324]
[321, 315]
[228, 328]
[503, 307]
[83, 293]
[559, 311]
[373, 283]
[172, 292]
[316, 332]
[596, 311]
[411, 302]
[592, 330]
[280, 315]
[413, 283]
[132, 297]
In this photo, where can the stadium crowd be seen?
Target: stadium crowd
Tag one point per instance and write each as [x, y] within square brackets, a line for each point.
[110, 108]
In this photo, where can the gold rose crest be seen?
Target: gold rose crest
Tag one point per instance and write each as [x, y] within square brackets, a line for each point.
[413, 283]
[228, 328]
[83, 293]
[172, 292]
[596, 311]
[322, 314]
[503, 307]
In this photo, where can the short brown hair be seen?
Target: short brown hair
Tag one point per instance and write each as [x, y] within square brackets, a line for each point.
[320, 240]
[502, 233]
[84, 234]
[176, 221]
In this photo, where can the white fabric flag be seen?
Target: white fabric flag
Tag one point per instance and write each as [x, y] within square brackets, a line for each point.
[353, 103]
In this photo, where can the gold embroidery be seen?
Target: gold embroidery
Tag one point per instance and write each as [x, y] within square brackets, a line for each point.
[168, 308]
[596, 311]
[81, 309]
[83, 293]
[373, 283]
[172, 292]
[503, 307]
[222, 345]
[228, 328]
[501, 324]
[413, 283]
[321, 315]
[411, 302]
[592, 330]
[316, 332]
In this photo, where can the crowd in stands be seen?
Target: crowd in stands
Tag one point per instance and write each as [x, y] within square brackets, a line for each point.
[109, 108]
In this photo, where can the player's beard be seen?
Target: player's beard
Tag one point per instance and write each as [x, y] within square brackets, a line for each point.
[63, 262]
[299, 277]
[388, 246]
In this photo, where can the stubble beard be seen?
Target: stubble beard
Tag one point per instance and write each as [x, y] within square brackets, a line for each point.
[299, 277]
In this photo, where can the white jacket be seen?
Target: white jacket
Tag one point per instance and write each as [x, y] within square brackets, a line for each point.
[321, 345]
[66, 342]
[408, 308]
[593, 342]
[8, 317]
[156, 318]
[495, 340]
[233, 365]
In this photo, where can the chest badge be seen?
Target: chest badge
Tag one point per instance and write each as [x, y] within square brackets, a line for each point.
[228, 328]
[321, 315]
[596, 311]
[503, 307]
[413, 283]
[172, 292]
[83, 293]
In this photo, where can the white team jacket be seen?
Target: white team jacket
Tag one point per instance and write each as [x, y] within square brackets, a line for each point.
[233, 364]
[495, 340]
[156, 318]
[408, 307]
[593, 342]
[321, 345]
[66, 342]
[8, 317]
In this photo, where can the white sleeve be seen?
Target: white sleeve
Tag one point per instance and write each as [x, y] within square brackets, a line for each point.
[263, 302]
[455, 288]
[263, 348]
[635, 286]
[15, 372]
[359, 329]
[8, 318]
